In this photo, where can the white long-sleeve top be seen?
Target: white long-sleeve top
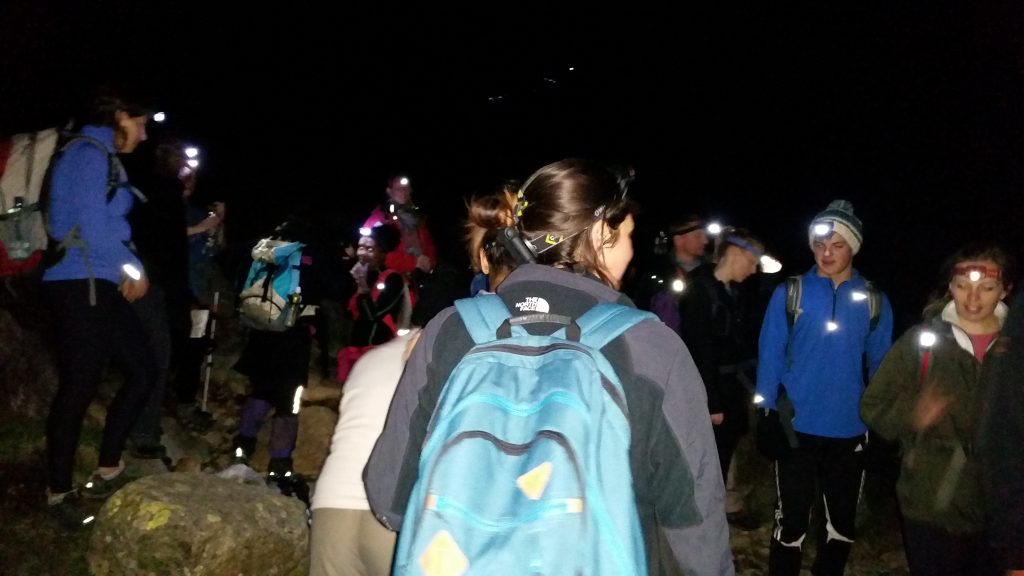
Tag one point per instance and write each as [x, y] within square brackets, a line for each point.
[365, 399]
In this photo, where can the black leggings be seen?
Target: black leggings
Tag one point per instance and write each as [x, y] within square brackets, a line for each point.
[88, 336]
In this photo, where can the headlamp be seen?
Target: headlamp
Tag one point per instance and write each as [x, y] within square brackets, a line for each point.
[977, 272]
[822, 229]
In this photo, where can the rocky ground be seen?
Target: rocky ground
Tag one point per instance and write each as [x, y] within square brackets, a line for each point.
[31, 543]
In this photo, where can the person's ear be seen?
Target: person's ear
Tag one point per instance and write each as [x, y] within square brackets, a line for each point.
[599, 234]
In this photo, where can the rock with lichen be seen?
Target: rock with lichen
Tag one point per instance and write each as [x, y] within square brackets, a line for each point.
[200, 525]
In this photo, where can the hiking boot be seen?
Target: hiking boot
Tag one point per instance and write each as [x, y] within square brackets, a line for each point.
[69, 513]
[99, 488]
[281, 477]
[149, 451]
[242, 448]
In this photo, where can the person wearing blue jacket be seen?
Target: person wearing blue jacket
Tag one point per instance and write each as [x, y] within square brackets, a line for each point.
[89, 289]
[810, 381]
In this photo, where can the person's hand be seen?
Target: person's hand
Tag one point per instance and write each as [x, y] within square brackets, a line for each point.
[717, 418]
[132, 290]
[210, 222]
[423, 263]
[931, 405]
[359, 272]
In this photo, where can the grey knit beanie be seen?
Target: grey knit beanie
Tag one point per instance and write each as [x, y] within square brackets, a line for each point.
[839, 218]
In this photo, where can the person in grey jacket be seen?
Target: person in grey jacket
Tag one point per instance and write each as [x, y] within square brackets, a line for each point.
[676, 477]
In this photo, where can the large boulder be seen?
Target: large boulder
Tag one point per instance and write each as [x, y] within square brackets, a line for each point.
[28, 374]
[201, 525]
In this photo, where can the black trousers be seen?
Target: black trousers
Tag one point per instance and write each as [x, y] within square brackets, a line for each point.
[152, 312]
[736, 402]
[833, 467]
[87, 337]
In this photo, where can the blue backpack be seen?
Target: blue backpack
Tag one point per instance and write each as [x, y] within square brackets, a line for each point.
[271, 297]
[525, 468]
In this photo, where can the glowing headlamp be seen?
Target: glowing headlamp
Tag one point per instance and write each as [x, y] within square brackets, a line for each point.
[364, 231]
[770, 265]
[678, 285]
[977, 273]
[714, 228]
[822, 229]
[403, 181]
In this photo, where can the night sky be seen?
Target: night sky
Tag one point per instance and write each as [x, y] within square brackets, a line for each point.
[759, 115]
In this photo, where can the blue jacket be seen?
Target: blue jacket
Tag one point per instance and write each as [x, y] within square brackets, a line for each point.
[822, 370]
[78, 196]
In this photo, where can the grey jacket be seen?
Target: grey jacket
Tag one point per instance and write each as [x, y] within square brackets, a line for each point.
[677, 478]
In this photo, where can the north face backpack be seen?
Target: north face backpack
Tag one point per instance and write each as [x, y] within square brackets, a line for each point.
[271, 298]
[525, 467]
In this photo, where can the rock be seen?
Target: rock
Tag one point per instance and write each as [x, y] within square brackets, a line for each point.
[196, 523]
[28, 372]
[188, 464]
[316, 426]
[322, 396]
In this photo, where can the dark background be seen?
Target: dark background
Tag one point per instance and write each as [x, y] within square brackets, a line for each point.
[758, 115]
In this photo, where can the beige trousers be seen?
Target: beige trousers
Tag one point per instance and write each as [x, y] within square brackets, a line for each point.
[349, 543]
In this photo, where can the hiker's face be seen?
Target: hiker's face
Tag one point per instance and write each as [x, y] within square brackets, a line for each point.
[744, 263]
[398, 192]
[833, 255]
[976, 300]
[367, 250]
[129, 132]
[615, 255]
[690, 245]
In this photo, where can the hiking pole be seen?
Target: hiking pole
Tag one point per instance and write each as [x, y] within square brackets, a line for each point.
[209, 356]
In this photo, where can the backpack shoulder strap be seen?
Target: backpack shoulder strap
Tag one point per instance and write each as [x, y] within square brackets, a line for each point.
[794, 290]
[607, 321]
[483, 315]
[874, 304]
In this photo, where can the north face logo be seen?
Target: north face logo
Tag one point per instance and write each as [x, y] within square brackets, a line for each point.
[533, 304]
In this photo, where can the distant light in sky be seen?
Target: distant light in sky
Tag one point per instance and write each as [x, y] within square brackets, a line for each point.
[551, 80]
[571, 68]
[193, 163]
[159, 117]
[494, 98]
[191, 151]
